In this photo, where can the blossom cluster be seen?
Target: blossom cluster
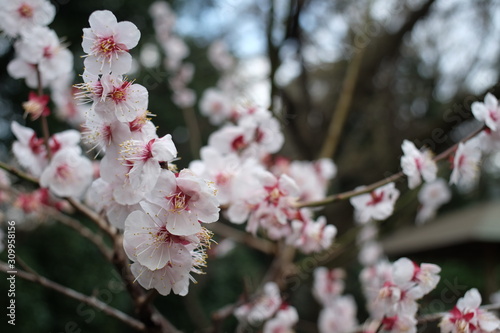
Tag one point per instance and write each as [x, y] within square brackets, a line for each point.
[261, 191]
[339, 311]
[392, 291]
[269, 309]
[160, 208]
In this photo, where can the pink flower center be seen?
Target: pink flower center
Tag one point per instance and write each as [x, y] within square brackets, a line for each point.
[119, 94]
[493, 115]
[63, 172]
[36, 145]
[48, 52]
[376, 198]
[164, 236]
[389, 322]
[238, 143]
[221, 179]
[106, 46]
[25, 10]
[178, 201]
[147, 152]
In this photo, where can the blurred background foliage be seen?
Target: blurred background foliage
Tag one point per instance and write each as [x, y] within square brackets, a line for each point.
[421, 63]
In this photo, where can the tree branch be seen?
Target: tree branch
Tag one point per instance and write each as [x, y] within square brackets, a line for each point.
[339, 116]
[346, 195]
[89, 300]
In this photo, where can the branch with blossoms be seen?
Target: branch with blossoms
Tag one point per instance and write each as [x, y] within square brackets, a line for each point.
[161, 220]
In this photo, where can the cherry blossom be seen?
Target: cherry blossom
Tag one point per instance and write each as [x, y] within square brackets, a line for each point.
[36, 106]
[40, 46]
[311, 236]
[29, 150]
[215, 105]
[183, 200]
[144, 158]
[466, 316]
[262, 308]
[68, 174]
[119, 98]
[432, 196]
[399, 323]
[107, 43]
[420, 279]
[147, 241]
[339, 316]
[417, 164]
[19, 15]
[377, 205]
[219, 56]
[283, 321]
[328, 284]
[466, 165]
[488, 112]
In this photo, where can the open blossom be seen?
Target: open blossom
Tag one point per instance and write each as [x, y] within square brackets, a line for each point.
[262, 308]
[417, 164]
[466, 316]
[144, 158]
[311, 236]
[487, 112]
[432, 196]
[419, 280]
[376, 205]
[339, 316]
[400, 323]
[466, 165]
[68, 174]
[147, 241]
[20, 15]
[107, 43]
[176, 274]
[216, 106]
[41, 46]
[183, 200]
[328, 284]
[119, 99]
[30, 151]
[283, 321]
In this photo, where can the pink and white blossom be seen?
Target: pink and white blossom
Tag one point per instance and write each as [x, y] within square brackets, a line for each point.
[417, 164]
[487, 112]
[20, 15]
[261, 308]
[466, 165]
[144, 158]
[311, 236]
[283, 321]
[40, 46]
[215, 105]
[328, 284]
[68, 174]
[432, 196]
[107, 43]
[377, 205]
[184, 201]
[339, 316]
[467, 316]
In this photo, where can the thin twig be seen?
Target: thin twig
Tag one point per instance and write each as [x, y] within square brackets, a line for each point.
[89, 300]
[339, 116]
[83, 231]
[18, 173]
[352, 193]
[236, 235]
